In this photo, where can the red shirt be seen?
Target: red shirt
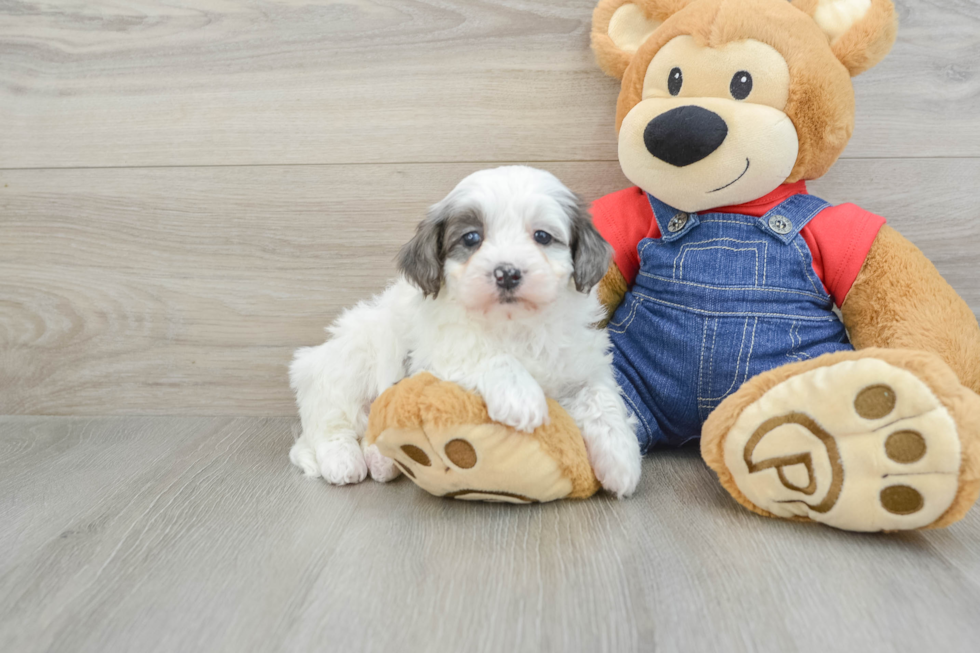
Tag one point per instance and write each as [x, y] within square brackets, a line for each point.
[839, 237]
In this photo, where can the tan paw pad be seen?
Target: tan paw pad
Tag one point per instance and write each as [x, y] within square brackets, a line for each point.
[860, 445]
[476, 463]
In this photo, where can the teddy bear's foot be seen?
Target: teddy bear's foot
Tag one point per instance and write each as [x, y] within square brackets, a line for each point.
[486, 462]
[442, 438]
[864, 441]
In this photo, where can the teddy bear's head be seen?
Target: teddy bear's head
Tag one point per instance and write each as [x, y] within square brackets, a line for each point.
[724, 100]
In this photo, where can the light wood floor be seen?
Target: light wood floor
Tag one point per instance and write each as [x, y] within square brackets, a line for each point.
[191, 534]
[190, 189]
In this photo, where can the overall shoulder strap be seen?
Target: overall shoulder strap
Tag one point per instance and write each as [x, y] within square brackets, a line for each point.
[786, 220]
[673, 224]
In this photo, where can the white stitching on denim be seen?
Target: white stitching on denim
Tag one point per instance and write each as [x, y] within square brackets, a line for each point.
[798, 347]
[650, 241]
[792, 341]
[629, 318]
[731, 249]
[765, 265]
[691, 246]
[823, 205]
[804, 264]
[715, 240]
[745, 224]
[636, 411]
[711, 363]
[734, 314]
[823, 298]
[704, 340]
[704, 384]
[620, 323]
[800, 352]
[706, 402]
[738, 362]
[748, 360]
[796, 339]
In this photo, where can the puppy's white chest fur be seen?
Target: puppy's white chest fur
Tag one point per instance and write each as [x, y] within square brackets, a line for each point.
[558, 346]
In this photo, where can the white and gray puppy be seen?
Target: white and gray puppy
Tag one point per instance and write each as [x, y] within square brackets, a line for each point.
[497, 295]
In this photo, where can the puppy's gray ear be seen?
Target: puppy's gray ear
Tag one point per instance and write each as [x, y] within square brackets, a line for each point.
[421, 259]
[591, 254]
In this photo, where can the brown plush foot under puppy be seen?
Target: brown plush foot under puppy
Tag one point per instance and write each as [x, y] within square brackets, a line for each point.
[441, 437]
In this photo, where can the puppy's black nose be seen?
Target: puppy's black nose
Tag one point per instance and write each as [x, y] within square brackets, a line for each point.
[508, 277]
[684, 135]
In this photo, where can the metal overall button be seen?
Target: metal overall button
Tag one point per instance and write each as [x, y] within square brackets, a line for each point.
[677, 222]
[780, 224]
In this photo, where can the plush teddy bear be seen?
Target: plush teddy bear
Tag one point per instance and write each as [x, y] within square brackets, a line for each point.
[727, 274]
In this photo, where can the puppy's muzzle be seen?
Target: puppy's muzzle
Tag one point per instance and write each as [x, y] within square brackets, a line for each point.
[685, 135]
[507, 276]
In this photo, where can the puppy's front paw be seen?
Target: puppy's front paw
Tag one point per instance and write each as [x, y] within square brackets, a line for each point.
[619, 479]
[522, 406]
[618, 466]
[303, 456]
[381, 468]
[338, 460]
[341, 461]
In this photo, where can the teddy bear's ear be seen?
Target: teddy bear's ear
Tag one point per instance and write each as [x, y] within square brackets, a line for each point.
[861, 32]
[619, 28]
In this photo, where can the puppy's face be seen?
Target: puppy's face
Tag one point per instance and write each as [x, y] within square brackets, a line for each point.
[516, 256]
[507, 241]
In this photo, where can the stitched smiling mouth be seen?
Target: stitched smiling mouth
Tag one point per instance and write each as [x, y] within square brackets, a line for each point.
[731, 182]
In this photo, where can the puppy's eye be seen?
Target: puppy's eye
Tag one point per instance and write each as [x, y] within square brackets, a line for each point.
[472, 238]
[675, 79]
[542, 237]
[741, 85]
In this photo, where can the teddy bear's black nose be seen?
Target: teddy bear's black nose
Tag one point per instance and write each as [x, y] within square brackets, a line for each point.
[684, 135]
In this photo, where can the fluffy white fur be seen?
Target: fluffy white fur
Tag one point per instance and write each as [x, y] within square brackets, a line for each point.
[514, 348]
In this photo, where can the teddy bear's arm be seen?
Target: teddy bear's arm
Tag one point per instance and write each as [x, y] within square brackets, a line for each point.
[899, 300]
[612, 288]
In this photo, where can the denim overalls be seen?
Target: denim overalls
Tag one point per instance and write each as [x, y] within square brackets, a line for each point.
[719, 298]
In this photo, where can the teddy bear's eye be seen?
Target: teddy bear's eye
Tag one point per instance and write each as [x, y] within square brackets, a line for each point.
[741, 85]
[674, 81]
